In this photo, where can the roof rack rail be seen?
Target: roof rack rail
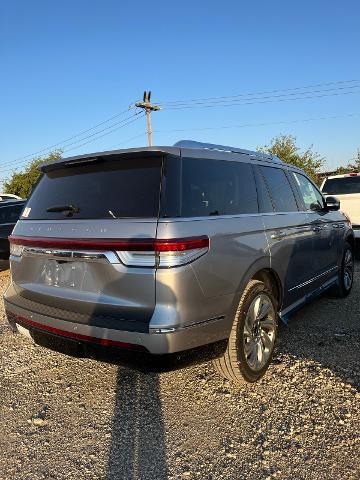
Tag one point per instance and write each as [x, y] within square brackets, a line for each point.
[225, 148]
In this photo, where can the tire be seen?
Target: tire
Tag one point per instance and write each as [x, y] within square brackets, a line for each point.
[346, 273]
[242, 361]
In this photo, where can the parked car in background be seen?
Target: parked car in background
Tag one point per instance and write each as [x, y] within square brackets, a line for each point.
[346, 188]
[10, 211]
[164, 249]
[9, 196]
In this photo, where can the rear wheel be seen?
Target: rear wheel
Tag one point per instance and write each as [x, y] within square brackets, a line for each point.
[252, 338]
[346, 273]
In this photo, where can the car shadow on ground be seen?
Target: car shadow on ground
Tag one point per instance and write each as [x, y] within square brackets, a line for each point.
[4, 265]
[137, 449]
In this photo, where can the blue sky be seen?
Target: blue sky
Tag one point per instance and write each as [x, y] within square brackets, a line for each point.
[69, 65]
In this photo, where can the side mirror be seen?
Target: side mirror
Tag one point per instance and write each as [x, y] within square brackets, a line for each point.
[332, 203]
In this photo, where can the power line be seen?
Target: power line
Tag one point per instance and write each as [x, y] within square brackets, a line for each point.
[50, 147]
[107, 133]
[120, 124]
[257, 124]
[261, 102]
[2, 170]
[260, 93]
[216, 102]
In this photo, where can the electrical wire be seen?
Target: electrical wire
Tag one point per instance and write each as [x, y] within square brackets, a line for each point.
[3, 170]
[51, 147]
[220, 127]
[260, 102]
[107, 133]
[119, 124]
[259, 93]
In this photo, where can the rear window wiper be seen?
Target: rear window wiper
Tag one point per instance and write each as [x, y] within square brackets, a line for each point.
[67, 210]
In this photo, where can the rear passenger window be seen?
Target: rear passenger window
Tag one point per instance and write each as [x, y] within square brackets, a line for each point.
[280, 190]
[216, 187]
[313, 199]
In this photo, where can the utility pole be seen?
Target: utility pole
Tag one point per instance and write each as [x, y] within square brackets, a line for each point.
[148, 107]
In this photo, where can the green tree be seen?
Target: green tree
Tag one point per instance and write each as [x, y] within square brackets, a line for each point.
[22, 182]
[350, 167]
[284, 146]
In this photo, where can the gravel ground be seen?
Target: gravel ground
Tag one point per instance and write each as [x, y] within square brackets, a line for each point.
[63, 417]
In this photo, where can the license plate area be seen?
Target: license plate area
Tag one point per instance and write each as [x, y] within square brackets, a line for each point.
[63, 274]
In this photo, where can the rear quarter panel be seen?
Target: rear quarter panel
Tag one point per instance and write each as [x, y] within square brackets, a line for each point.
[210, 285]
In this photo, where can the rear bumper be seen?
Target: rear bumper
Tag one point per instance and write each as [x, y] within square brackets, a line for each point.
[184, 338]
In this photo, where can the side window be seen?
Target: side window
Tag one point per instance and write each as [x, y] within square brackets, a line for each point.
[313, 199]
[217, 187]
[265, 203]
[280, 190]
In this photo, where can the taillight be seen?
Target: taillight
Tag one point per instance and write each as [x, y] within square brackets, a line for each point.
[142, 252]
[166, 253]
[16, 250]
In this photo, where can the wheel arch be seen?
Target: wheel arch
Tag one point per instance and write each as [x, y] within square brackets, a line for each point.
[350, 238]
[260, 270]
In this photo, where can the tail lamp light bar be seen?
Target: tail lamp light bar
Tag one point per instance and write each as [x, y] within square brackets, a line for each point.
[146, 252]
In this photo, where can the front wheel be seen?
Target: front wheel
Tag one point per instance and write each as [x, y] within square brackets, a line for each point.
[252, 338]
[346, 273]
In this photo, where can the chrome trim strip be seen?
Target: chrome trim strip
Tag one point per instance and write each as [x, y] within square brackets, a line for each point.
[303, 300]
[313, 279]
[170, 328]
[92, 256]
[219, 217]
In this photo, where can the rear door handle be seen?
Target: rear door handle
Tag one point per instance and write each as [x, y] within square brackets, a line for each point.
[317, 229]
[278, 235]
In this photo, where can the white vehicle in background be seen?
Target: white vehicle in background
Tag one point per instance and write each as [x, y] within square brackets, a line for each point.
[346, 188]
[8, 196]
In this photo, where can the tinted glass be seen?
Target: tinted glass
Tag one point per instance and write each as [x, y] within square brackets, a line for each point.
[265, 203]
[215, 187]
[112, 189]
[280, 190]
[313, 200]
[341, 186]
[10, 213]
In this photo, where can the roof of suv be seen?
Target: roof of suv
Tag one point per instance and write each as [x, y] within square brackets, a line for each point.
[184, 148]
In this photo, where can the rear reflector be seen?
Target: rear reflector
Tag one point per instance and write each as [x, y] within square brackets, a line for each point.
[76, 336]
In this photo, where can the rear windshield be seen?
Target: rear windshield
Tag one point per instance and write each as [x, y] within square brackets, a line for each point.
[9, 212]
[126, 188]
[341, 186]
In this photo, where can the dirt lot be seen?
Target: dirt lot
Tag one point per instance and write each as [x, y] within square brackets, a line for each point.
[76, 418]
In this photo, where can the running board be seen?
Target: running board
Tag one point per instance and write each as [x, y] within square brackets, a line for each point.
[285, 315]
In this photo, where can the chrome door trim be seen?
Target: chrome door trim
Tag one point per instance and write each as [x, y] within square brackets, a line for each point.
[313, 279]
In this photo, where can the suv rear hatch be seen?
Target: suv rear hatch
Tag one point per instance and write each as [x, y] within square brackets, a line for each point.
[82, 250]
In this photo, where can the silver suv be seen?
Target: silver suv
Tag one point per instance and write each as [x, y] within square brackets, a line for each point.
[165, 249]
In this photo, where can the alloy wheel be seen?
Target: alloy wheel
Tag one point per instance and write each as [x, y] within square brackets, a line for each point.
[259, 332]
[348, 269]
